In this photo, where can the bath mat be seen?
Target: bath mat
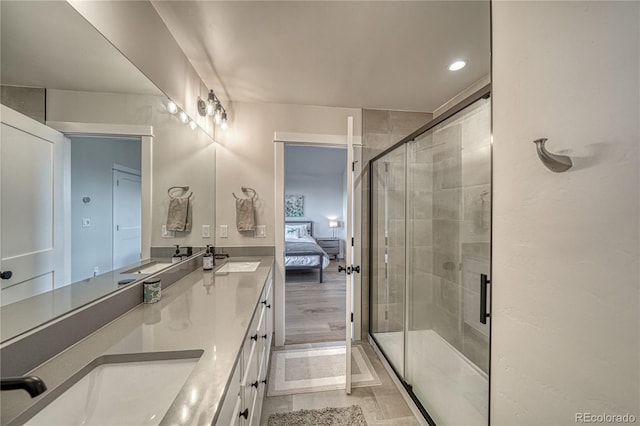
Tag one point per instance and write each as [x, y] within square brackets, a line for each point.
[346, 416]
[318, 369]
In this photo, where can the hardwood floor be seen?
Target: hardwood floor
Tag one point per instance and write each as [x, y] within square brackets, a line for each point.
[315, 312]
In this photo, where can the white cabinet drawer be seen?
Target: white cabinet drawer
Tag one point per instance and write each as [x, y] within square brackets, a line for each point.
[230, 408]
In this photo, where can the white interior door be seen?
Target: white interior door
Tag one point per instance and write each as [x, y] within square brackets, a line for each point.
[31, 219]
[127, 218]
[349, 258]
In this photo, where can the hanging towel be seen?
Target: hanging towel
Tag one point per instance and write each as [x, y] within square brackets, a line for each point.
[244, 214]
[179, 215]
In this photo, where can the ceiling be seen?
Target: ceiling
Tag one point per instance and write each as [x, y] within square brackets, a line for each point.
[362, 54]
[37, 51]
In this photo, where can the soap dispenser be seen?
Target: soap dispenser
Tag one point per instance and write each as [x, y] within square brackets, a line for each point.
[176, 256]
[207, 260]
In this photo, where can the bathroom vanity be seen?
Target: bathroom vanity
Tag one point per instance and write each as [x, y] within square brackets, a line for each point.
[208, 338]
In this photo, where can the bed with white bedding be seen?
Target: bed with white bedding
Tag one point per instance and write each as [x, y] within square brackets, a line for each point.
[301, 249]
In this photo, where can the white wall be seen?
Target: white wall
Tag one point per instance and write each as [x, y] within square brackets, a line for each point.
[566, 247]
[245, 157]
[180, 156]
[92, 161]
[318, 174]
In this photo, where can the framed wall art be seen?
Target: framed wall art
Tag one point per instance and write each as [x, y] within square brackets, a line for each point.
[294, 205]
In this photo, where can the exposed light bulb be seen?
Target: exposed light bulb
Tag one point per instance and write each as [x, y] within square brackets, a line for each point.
[184, 117]
[224, 120]
[217, 117]
[210, 109]
[458, 65]
[192, 124]
[172, 107]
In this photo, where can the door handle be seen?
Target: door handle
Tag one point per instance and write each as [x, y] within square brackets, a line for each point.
[6, 275]
[484, 281]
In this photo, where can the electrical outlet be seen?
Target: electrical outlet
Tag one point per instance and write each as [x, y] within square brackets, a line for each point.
[96, 270]
[224, 231]
[206, 231]
[86, 222]
[260, 231]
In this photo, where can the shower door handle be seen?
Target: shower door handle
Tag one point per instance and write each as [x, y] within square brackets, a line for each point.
[484, 281]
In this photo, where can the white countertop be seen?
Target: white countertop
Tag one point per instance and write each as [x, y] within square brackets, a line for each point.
[212, 315]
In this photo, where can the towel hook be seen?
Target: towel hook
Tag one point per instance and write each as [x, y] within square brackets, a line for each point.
[179, 188]
[554, 162]
[247, 191]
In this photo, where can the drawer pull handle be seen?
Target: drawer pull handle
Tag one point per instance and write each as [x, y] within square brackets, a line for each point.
[264, 382]
[264, 336]
[264, 302]
[255, 384]
[244, 413]
[269, 306]
[255, 337]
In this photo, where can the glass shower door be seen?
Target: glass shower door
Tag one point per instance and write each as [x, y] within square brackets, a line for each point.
[448, 248]
[388, 256]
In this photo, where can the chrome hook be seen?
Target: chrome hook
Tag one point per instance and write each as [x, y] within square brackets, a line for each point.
[554, 162]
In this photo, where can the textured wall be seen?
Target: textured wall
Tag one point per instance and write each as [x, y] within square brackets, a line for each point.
[566, 299]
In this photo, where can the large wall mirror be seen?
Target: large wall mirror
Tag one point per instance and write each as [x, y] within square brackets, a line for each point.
[89, 151]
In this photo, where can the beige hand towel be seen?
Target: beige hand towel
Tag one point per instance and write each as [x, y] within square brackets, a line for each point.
[244, 214]
[179, 215]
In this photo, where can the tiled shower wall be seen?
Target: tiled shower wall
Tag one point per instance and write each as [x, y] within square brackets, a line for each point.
[380, 130]
[448, 230]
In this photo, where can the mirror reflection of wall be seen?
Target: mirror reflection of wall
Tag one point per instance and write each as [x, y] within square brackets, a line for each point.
[70, 73]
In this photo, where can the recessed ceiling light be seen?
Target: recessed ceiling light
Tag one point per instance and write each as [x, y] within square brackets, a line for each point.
[457, 65]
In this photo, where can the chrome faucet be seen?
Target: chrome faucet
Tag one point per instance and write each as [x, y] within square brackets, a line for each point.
[32, 384]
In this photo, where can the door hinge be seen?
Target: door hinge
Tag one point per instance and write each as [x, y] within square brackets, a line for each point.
[117, 227]
[353, 241]
[351, 316]
[353, 166]
[117, 182]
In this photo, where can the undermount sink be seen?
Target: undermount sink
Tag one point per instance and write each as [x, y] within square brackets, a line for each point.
[148, 268]
[238, 267]
[113, 390]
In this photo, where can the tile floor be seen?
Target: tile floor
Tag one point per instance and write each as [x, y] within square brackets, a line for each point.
[382, 404]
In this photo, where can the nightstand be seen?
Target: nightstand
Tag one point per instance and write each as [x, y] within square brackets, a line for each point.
[330, 245]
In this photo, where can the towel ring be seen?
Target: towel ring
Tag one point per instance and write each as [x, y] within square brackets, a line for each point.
[247, 191]
[179, 188]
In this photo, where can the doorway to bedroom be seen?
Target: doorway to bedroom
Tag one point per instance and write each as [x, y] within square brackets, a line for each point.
[315, 214]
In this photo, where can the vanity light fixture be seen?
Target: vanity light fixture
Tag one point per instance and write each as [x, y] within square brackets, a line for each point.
[184, 118]
[213, 107]
[457, 65]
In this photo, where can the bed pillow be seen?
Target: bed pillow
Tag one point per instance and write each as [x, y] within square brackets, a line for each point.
[303, 229]
[291, 232]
